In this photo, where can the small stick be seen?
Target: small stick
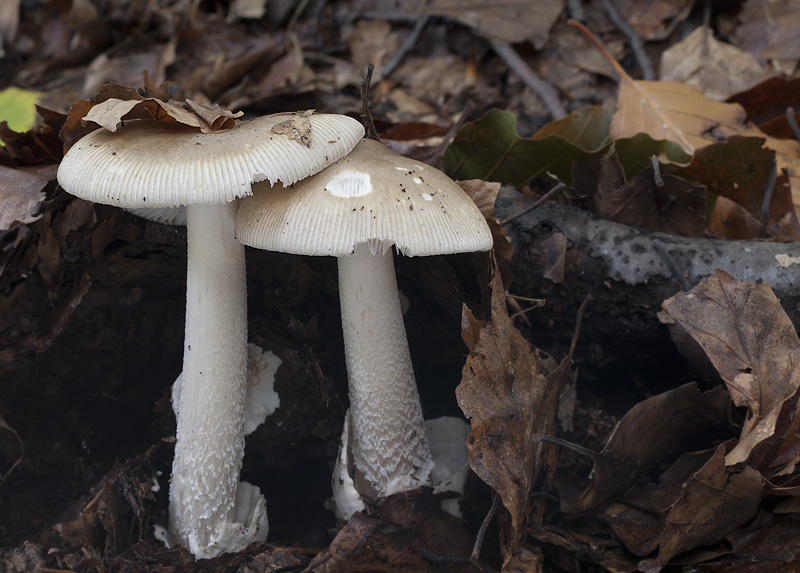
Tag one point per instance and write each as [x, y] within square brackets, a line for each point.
[546, 197]
[793, 122]
[542, 88]
[398, 56]
[433, 159]
[476, 549]
[637, 45]
[366, 114]
[656, 171]
[773, 174]
[673, 266]
[576, 10]
[591, 454]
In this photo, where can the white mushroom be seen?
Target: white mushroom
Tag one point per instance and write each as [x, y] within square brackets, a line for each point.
[356, 209]
[164, 165]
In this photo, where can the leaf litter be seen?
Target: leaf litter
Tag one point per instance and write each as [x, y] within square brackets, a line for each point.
[686, 477]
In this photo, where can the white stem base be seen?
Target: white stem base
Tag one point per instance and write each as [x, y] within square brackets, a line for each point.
[211, 408]
[389, 447]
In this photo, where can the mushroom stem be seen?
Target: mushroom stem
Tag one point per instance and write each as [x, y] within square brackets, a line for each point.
[389, 446]
[211, 404]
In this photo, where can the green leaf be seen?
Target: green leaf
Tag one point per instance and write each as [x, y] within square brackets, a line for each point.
[18, 108]
[634, 153]
[490, 148]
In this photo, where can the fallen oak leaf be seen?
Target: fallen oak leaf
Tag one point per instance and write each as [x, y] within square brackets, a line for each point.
[712, 504]
[507, 400]
[679, 112]
[751, 342]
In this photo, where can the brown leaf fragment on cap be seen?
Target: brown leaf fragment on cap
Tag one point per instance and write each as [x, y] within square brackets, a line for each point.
[215, 116]
[297, 129]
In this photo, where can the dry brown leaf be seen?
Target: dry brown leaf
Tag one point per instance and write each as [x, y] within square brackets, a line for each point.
[680, 113]
[372, 42]
[711, 505]
[111, 112]
[716, 68]
[653, 19]
[752, 344]
[770, 28]
[21, 193]
[653, 432]
[507, 401]
[509, 21]
[296, 129]
[484, 194]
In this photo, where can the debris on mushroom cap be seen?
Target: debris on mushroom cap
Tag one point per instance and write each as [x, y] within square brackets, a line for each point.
[372, 196]
[159, 164]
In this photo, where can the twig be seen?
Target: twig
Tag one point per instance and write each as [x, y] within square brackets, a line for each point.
[542, 88]
[578, 320]
[576, 10]
[673, 266]
[773, 174]
[476, 549]
[412, 38]
[546, 197]
[433, 159]
[366, 114]
[637, 45]
[656, 171]
[591, 454]
[793, 122]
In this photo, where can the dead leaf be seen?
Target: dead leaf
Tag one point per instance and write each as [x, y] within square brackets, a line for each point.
[770, 28]
[670, 204]
[21, 194]
[112, 112]
[296, 129]
[768, 100]
[653, 19]
[716, 68]
[555, 255]
[711, 505]
[654, 431]
[509, 21]
[484, 194]
[751, 342]
[372, 42]
[507, 400]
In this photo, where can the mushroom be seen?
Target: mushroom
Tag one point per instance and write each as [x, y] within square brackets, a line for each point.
[164, 164]
[356, 209]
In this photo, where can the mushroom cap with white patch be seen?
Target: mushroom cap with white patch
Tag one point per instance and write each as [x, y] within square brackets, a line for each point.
[372, 196]
[165, 164]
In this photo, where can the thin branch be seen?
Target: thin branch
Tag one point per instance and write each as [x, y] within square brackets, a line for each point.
[576, 10]
[476, 549]
[672, 265]
[411, 40]
[546, 197]
[793, 122]
[366, 114]
[637, 45]
[542, 88]
[773, 174]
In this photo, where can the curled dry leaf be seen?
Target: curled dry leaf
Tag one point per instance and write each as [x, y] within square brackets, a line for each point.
[21, 194]
[654, 432]
[110, 113]
[297, 129]
[752, 344]
[507, 400]
[712, 503]
[484, 194]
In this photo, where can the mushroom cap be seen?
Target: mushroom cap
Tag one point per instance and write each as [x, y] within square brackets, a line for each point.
[372, 196]
[165, 164]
